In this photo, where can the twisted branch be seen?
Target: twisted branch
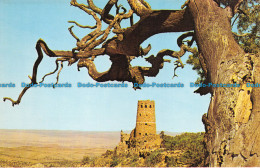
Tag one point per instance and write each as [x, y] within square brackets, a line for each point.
[118, 48]
[58, 75]
[79, 25]
[33, 78]
[106, 10]
[97, 10]
[81, 44]
[243, 35]
[118, 8]
[234, 5]
[57, 67]
[73, 35]
[40, 45]
[140, 7]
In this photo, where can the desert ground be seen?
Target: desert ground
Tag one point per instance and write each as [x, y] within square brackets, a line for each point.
[23, 148]
[45, 146]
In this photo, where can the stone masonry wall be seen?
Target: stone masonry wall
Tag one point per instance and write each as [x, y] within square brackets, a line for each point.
[145, 119]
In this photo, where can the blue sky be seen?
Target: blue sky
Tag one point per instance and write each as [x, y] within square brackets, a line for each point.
[88, 109]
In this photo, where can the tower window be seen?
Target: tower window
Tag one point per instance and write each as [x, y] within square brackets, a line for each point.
[145, 106]
[140, 114]
[139, 133]
[145, 133]
[150, 106]
[145, 123]
[141, 106]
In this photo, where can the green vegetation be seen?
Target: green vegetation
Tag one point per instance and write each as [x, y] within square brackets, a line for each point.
[195, 62]
[115, 161]
[192, 146]
[183, 150]
[185, 141]
[154, 158]
[247, 21]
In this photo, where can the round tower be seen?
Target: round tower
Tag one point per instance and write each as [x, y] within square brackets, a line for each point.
[145, 119]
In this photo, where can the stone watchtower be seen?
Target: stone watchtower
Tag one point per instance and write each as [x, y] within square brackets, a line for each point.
[145, 119]
[143, 136]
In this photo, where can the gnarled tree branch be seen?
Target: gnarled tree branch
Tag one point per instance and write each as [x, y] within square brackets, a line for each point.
[120, 48]
[140, 7]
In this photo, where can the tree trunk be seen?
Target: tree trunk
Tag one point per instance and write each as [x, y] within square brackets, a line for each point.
[232, 122]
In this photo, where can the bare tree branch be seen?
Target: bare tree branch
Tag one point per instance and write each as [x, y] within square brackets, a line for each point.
[79, 25]
[58, 75]
[234, 4]
[242, 35]
[39, 45]
[140, 7]
[57, 67]
[73, 35]
[99, 11]
[120, 48]
[107, 8]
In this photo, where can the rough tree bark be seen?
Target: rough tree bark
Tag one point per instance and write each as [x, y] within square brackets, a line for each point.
[233, 120]
[232, 123]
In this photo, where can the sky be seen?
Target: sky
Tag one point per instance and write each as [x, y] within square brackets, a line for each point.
[85, 109]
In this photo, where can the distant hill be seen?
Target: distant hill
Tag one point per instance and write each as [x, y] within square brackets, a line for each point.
[58, 138]
[67, 139]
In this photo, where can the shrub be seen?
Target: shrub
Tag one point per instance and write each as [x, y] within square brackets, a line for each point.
[154, 158]
[192, 146]
[85, 160]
